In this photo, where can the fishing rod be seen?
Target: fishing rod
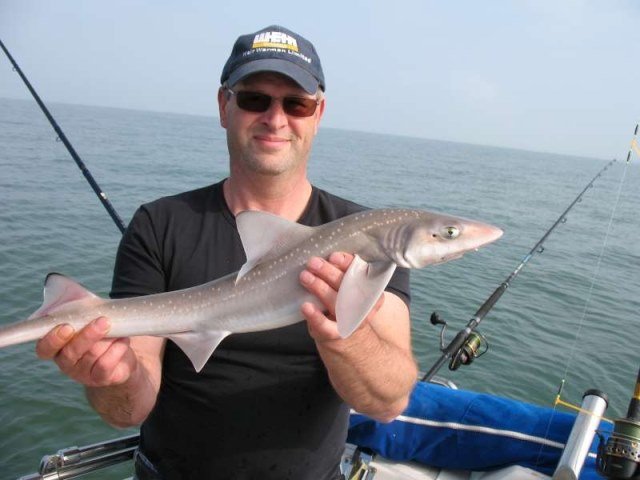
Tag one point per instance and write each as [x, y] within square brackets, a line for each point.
[634, 144]
[83, 168]
[469, 344]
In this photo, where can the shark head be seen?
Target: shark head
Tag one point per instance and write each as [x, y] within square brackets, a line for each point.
[433, 238]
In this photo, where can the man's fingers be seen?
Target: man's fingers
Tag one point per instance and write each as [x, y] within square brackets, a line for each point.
[323, 277]
[341, 260]
[83, 342]
[326, 270]
[113, 366]
[49, 345]
[87, 356]
[320, 327]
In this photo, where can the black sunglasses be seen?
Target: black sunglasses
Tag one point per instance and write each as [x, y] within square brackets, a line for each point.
[260, 102]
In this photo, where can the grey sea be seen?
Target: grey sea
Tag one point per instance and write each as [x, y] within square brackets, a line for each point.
[571, 313]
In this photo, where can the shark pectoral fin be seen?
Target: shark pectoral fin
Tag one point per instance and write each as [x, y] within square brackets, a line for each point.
[362, 285]
[60, 290]
[198, 346]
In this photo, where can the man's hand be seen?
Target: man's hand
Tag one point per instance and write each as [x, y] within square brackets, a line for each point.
[121, 375]
[323, 279]
[87, 356]
[373, 369]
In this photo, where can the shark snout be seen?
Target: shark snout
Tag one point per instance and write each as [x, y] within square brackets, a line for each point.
[482, 234]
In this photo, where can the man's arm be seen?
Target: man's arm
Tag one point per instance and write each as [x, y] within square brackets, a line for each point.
[373, 370]
[121, 376]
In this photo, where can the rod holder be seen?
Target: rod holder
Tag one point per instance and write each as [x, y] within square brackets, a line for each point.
[594, 404]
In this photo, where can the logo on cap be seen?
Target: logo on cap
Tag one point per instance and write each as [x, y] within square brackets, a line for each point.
[275, 40]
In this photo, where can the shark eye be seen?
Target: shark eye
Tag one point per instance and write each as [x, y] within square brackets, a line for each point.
[450, 233]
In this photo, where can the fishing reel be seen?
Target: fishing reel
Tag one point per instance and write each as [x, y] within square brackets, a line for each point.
[473, 345]
[619, 456]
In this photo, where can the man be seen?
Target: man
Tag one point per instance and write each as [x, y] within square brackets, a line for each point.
[269, 405]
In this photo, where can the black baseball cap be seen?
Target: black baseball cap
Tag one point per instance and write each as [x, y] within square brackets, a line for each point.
[275, 49]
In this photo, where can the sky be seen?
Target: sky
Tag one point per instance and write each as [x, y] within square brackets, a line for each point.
[556, 76]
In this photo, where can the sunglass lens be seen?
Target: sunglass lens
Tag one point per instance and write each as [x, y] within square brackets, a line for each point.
[259, 102]
[253, 101]
[299, 106]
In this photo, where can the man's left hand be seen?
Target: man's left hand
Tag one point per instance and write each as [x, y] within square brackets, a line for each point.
[323, 279]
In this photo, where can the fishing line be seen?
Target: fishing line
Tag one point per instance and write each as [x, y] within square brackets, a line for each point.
[596, 272]
[83, 168]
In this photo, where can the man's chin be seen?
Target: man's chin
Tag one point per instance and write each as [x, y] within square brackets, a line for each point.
[271, 166]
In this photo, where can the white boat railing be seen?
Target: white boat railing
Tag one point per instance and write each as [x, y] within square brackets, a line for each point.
[74, 462]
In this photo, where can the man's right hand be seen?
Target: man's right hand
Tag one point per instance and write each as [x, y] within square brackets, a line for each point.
[87, 356]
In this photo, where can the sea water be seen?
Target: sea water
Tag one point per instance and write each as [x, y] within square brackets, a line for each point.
[571, 313]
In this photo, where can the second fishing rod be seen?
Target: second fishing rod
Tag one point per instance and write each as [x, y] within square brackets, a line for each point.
[102, 196]
[469, 344]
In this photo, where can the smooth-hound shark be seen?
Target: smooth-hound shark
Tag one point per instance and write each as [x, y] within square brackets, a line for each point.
[266, 293]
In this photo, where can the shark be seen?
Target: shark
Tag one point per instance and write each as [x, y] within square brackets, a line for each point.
[266, 292]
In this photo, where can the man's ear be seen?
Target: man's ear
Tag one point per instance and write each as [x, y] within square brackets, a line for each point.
[319, 113]
[223, 101]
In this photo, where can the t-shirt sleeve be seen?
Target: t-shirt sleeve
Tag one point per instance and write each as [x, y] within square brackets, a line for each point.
[399, 285]
[138, 267]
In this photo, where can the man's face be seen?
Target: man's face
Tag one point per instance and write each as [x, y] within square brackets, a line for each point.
[270, 142]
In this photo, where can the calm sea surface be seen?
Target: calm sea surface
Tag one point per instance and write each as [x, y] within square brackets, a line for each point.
[550, 321]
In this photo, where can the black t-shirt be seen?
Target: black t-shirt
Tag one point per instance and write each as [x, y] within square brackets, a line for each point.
[263, 406]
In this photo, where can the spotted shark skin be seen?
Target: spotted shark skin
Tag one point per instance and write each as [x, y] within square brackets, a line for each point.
[266, 293]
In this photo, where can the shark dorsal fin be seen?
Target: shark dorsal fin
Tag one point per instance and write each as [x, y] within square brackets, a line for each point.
[60, 290]
[265, 236]
[362, 285]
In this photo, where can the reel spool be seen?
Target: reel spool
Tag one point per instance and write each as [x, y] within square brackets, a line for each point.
[619, 457]
[475, 346]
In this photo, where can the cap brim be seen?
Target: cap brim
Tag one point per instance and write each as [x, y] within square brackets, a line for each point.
[299, 75]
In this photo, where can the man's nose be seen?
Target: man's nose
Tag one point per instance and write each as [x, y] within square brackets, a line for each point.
[275, 115]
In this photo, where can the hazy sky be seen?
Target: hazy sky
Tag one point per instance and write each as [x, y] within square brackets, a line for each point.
[548, 75]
